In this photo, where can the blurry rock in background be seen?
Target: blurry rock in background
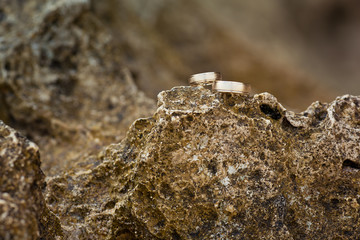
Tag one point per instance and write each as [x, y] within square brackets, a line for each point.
[62, 83]
[300, 51]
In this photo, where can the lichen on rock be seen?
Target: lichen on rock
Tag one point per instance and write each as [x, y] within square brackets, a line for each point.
[221, 166]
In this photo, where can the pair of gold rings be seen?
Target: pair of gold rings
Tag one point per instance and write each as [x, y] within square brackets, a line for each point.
[215, 79]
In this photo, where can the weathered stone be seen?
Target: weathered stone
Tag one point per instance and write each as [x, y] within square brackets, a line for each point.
[204, 166]
[62, 83]
[221, 166]
[23, 212]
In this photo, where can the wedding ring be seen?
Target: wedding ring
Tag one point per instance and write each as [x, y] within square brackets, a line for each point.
[204, 78]
[232, 87]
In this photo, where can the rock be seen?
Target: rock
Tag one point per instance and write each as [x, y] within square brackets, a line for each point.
[63, 84]
[221, 166]
[23, 212]
[204, 166]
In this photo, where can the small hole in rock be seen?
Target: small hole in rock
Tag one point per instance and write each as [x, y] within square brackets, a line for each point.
[334, 201]
[56, 64]
[209, 87]
[110, 205]
[320, 115]
[231, 104]
[287, 125]
[190, 118]
[348, 164]
[271, 112]
[125, 234]
[175, 235]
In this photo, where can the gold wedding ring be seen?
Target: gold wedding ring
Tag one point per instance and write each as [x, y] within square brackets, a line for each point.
[206, 78]
[231, 87]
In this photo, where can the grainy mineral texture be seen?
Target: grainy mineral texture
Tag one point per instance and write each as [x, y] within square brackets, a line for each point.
[62, 83]
[23, 212]
[204, 166]
[221, 166]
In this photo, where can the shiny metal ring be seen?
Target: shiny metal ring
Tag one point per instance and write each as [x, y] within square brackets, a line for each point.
[206, 78]
[231, 87]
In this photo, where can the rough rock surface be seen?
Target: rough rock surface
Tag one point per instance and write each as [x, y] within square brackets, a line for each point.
[62, 83]
[205, 166]
[23, 212]
[221, 166]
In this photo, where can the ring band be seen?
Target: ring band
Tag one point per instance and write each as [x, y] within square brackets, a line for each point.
[204, 78]
[232, 87]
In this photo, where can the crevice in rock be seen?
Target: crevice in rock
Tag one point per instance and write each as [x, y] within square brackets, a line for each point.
[271, 112]
[350, 165]
[320, 115]
[286, 125]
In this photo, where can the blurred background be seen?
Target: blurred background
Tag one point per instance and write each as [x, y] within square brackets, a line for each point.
[300, 51]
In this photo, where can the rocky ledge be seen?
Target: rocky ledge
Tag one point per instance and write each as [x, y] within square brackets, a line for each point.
[221, 166]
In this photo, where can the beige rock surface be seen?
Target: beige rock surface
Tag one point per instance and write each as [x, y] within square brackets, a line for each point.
[204, 166]
[211, 166]
[23, 212]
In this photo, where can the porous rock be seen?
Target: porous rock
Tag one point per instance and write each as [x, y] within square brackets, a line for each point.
[62, 81]
[23, 212]
[221, 166]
